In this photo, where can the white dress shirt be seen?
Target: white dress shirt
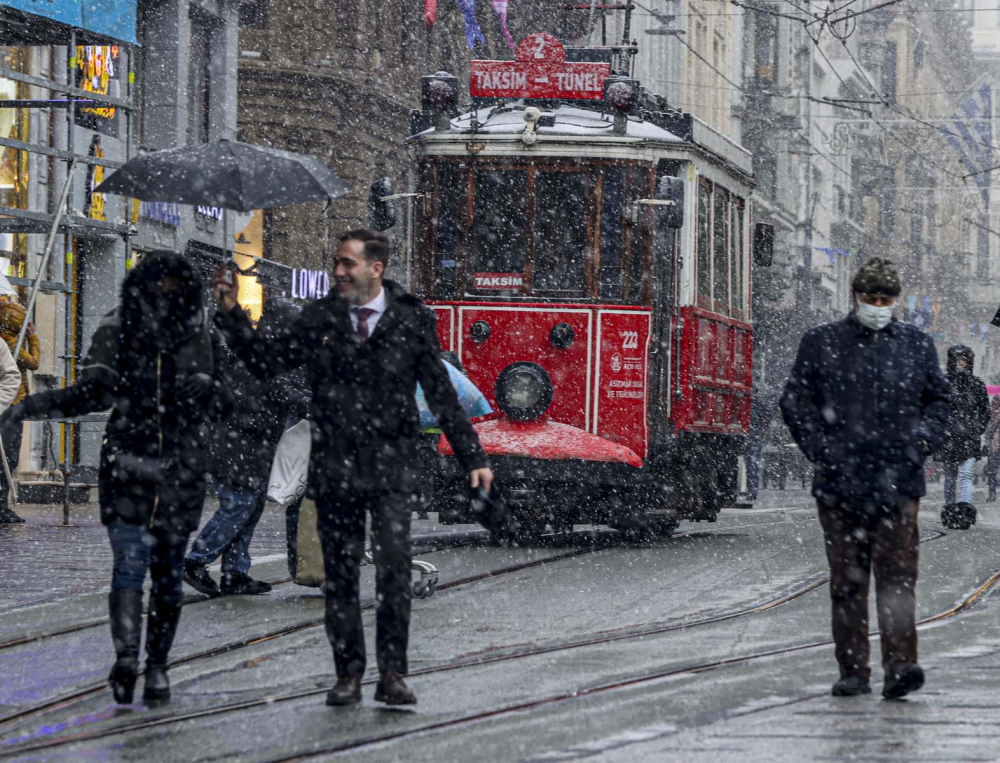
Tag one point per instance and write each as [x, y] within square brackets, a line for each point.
[378, 305]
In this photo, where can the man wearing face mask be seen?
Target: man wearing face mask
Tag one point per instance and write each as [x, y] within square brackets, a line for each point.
[867, 404]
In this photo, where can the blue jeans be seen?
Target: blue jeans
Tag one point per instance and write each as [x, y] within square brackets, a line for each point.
[230, 530]
[960, 471]
[137, 550]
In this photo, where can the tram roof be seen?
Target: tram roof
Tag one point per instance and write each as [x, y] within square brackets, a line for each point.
[574, 121]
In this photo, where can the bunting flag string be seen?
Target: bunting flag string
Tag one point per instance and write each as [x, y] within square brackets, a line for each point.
[500, 9]
[430, 12]
[473, 33]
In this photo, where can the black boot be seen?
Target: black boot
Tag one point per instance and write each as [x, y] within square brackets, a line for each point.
[7, 514]
[239, 583]
[125, 610]
[161, 626]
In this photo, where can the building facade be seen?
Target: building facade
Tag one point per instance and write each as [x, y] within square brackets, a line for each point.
[173, 69]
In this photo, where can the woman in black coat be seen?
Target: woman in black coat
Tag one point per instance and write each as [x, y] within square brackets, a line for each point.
[155, 361]
[968, 417]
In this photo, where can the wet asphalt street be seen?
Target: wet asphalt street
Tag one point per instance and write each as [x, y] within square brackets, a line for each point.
[710, 646]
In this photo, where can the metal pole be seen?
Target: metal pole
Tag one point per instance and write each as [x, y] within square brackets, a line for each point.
[49, 243]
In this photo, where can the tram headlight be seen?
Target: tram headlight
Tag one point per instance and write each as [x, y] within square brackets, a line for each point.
[524, 391]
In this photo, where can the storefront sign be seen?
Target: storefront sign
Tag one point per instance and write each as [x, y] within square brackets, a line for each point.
[499, 281]
[109, 18]
[310, 284]
[96, 69]
[539, 70]
[214, 213]
[95, 176]
[161, 212]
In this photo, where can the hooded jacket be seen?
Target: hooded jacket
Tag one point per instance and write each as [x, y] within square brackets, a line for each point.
[12, 316]
[365, 422]
[968, 409]
[138, 358]
[866, 407]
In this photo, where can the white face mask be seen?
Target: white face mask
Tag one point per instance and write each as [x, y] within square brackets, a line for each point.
[875, 318]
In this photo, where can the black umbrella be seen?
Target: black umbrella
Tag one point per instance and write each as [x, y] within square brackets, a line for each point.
[226, 174]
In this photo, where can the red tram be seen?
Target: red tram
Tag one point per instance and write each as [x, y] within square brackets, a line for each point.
[586, 250]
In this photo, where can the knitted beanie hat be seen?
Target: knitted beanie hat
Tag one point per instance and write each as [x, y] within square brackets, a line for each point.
[877, 276]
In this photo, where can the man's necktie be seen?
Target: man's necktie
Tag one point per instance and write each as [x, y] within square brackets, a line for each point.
[363, 314]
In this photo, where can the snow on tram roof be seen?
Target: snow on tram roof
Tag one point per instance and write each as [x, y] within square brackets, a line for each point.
[569, 120]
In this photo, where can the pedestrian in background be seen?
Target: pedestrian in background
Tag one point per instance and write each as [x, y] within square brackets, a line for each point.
[867, 403]
[364, 346]
[243, 452]
[993, 448]
[968, 417]
[10, 385]
[12, 318]
[152, 361]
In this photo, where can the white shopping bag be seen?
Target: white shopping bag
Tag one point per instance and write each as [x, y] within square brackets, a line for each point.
[291, 465]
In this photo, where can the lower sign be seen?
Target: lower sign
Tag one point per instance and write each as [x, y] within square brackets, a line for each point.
[500, 281]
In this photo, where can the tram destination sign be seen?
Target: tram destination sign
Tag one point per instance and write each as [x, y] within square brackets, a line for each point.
[539, 70]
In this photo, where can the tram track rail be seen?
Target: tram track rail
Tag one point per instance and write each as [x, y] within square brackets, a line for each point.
[796, 591]
[68, 699]
[434, 545]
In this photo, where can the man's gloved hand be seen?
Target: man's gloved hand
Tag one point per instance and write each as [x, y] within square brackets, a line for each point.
[194, 386]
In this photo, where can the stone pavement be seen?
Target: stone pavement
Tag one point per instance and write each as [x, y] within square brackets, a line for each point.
[43, 560]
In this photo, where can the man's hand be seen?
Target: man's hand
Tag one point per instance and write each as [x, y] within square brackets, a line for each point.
[224, 288]
[482, 477]
[31, 328]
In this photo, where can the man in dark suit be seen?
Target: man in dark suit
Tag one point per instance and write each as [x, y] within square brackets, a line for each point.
[364, 348]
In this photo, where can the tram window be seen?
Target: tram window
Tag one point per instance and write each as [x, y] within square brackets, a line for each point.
[499, 222]
[562, 210]
[612, 232]
[453, 185]
[736, 258]
[720, 264]
[704, 285]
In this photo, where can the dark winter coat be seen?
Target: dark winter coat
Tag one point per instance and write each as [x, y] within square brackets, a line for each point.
[366, 427]
[137, 357]
[243, 450]
[968, 410]
[866, 407]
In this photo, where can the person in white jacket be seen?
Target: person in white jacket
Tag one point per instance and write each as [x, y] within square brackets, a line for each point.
[10, 383]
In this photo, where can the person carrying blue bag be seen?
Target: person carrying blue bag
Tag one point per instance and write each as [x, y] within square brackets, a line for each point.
[473, 402]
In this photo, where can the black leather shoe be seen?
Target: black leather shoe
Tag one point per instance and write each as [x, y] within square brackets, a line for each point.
[901, 679]
[347, 691]
[239, 583]
[392, 690]
[196, 575]
[851, 686]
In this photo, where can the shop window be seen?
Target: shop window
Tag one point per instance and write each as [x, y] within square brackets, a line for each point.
[704, 237]
[499, 224]
[562, 209]
[248, 244]
[720, 263]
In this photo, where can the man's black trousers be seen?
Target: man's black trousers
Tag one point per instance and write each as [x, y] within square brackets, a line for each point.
[341, 524]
